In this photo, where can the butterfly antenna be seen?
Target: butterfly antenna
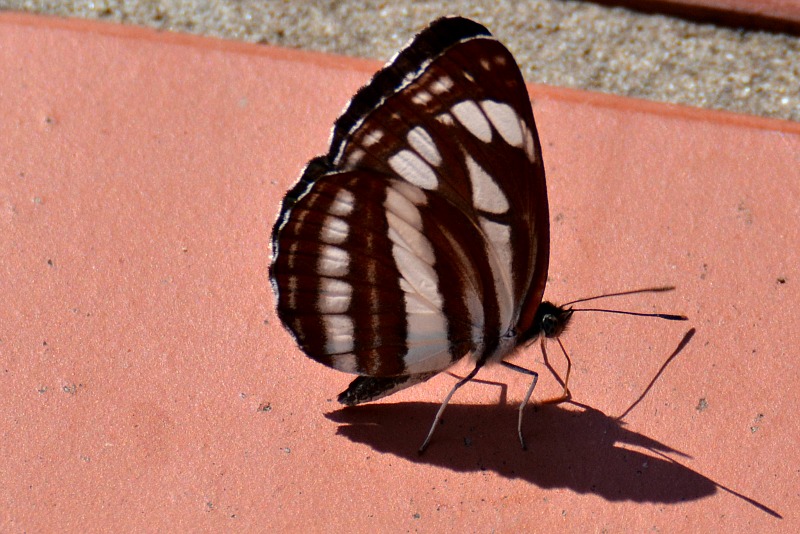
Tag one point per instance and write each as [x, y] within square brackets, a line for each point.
[660, 289]
[667, 316]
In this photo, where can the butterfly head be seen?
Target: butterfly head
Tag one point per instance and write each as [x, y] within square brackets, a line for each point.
[550, 321]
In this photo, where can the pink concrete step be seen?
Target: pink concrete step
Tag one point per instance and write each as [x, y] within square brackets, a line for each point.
[774, 15]
[148, 385]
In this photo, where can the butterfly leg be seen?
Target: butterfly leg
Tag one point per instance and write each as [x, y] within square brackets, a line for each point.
[444, 405]
[528, 394]
[565, 395]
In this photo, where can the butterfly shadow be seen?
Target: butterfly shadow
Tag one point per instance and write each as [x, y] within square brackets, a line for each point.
[572, 446]
[581, 449]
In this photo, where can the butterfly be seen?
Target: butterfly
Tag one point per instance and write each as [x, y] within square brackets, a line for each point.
[422, 237]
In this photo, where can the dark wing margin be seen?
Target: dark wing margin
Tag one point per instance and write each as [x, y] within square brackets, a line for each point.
[426, 46]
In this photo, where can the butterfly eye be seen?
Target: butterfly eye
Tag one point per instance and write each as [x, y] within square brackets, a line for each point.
[550, 327]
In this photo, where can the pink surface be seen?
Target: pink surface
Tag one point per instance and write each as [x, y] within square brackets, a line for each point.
[787, 10]
[147, 384]
[772, 15]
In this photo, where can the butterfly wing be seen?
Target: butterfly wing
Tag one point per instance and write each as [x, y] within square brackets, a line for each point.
[423, 234]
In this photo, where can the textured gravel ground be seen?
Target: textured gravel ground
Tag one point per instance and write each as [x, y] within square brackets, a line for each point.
[571, 44]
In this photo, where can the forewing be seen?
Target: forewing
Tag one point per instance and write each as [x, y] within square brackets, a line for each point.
[460, 127]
